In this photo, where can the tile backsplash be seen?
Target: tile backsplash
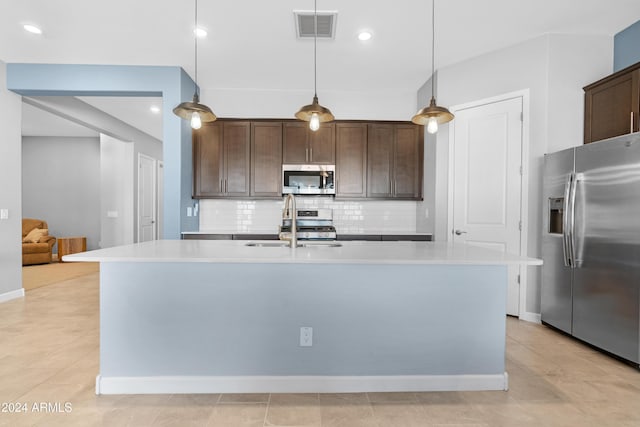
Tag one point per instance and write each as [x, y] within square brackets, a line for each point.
[349, 217]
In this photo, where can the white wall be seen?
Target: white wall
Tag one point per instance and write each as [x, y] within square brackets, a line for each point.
[116, 192]
[554, 68]
[280, 104]
[426, 210]
[10, 191]
[60, 176]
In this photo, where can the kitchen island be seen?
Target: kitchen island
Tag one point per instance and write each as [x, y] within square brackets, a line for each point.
[202, 316]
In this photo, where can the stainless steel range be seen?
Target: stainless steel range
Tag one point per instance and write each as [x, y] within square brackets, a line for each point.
[312, 224]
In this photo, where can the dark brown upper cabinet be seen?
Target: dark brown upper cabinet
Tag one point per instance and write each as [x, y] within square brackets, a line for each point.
[266, 159]
[351, 160]
[301, 145]
[221, 159]
[394, 161]
[612, 105]
[242, 158]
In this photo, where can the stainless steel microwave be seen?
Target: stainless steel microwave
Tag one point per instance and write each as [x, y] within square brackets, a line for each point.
[308, 179]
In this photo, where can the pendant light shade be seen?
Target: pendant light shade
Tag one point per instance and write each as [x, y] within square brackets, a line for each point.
[315, 113]
[433, 115]
[306, 113]
[194, 111]
[186, 109]
[432, 112]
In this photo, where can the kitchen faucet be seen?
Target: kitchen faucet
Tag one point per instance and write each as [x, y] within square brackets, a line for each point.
[289, 212]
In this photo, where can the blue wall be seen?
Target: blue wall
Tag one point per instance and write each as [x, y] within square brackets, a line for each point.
[626, 47]
[172, 83]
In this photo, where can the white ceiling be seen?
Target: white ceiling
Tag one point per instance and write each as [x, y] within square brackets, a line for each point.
[135, 111]
[252, 43]
[37, 122]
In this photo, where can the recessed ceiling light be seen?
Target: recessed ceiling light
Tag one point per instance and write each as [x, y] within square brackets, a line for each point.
[154, 109]
[32, 29]
[200, 32]
[364, 35]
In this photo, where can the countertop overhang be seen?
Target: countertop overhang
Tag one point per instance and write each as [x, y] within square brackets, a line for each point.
[357, 252]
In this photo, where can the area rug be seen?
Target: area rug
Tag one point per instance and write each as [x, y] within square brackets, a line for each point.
[36, 276]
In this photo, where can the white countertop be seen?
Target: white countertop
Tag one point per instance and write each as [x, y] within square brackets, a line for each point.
[236, 251]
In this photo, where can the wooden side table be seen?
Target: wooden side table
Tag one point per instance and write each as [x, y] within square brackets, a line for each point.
[71, 245]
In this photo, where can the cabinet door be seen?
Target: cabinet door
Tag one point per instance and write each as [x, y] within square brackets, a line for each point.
[266, 159]
[322, 145]
[612, 108]
[237, 145]
[295, 143]
[208, 161]
[351, 160]
[380, 147]
[407, 170]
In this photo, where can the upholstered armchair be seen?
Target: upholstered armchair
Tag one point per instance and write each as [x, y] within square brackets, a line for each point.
[37, 245]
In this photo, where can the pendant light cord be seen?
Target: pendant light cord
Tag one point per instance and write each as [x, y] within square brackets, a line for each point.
[315, 48]
[433, 47]
[195, 37]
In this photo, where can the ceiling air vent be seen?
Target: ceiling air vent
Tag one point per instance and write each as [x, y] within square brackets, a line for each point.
[305, 23]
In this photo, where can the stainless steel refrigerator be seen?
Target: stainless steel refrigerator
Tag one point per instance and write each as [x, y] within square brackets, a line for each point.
[591, 244]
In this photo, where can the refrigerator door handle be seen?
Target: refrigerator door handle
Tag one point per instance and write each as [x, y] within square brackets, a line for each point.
[566, 222]
[575, 263]
[572, 220]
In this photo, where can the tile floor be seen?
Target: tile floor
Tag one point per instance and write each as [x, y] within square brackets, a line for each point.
[49, 355]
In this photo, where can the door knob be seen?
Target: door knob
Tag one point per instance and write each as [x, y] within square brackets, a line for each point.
[459, 232]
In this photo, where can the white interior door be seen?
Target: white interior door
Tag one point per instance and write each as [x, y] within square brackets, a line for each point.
[159, 199]
[486, 182]
[147, 225]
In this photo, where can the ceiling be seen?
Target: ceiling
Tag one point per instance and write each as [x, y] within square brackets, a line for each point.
[252, 44]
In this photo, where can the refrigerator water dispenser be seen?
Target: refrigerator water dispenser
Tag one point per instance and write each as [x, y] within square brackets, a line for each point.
[556, 211]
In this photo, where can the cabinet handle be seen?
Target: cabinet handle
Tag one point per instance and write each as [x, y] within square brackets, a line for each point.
[306, 154]
[221, 186]
[631, 125]
[311, 155]
[226, 187]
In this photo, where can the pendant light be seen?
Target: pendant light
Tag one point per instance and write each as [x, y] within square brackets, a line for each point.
[315, 113]
[433, 115]
[194, 111]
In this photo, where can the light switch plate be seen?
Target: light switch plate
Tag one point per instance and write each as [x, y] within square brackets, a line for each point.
[4, 213]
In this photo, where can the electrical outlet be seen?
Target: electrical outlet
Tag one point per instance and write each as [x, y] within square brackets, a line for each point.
[189, 211]
[306, 336]
[4, 213]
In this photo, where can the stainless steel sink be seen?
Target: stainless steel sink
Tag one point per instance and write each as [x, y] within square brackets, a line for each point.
[300, 245]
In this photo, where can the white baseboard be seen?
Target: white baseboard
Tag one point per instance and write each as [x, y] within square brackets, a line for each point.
[18, 293]
[531, 317]
[299, 384]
